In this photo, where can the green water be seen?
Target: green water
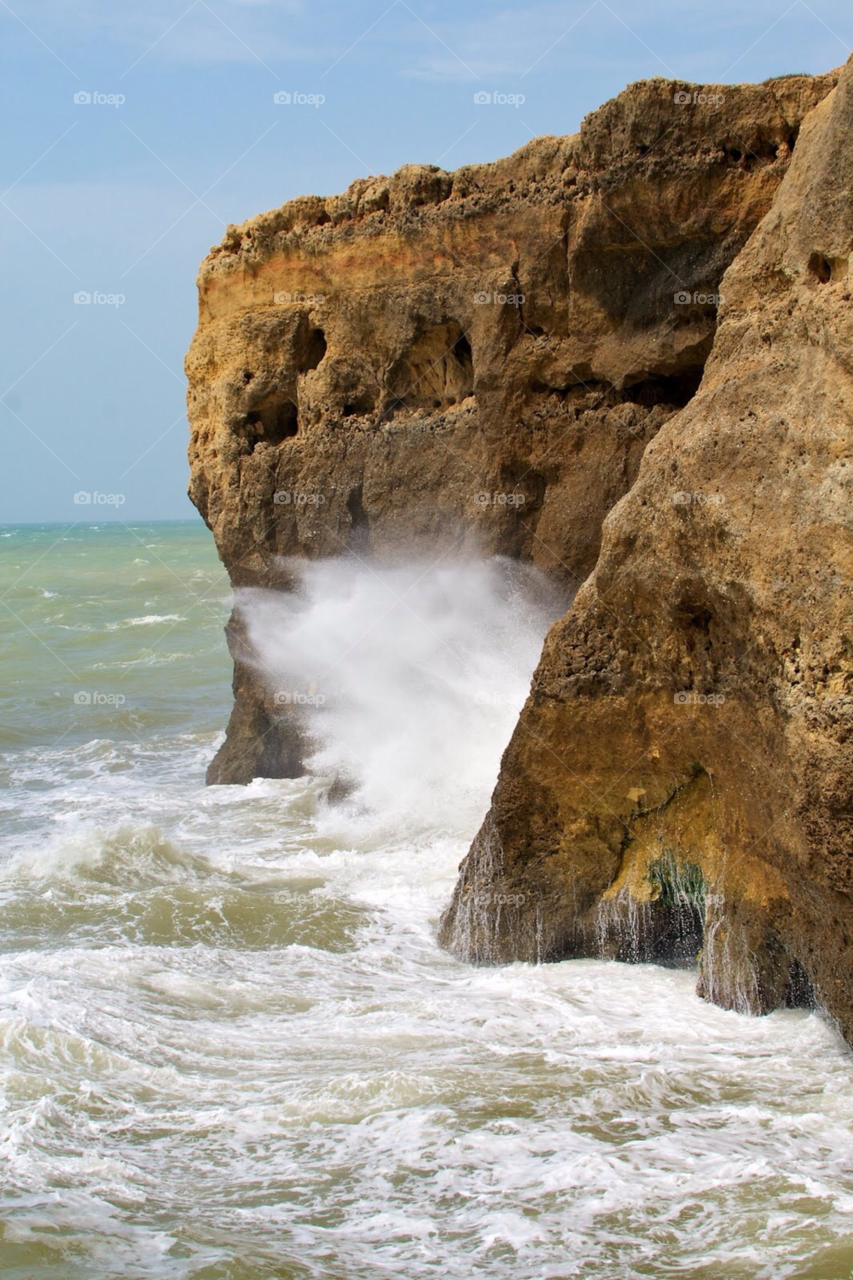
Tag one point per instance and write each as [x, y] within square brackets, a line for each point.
[98, 610]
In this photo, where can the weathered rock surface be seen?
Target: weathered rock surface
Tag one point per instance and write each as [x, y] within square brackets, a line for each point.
[682, 773]
[477, 360]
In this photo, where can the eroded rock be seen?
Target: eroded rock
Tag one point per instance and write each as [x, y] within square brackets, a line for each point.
[443, 362]
[695, 703]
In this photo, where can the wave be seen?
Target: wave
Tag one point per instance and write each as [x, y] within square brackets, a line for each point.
[132, 884]
[147, 620]
[409, 680]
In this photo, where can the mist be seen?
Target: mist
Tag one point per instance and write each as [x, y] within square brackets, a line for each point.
[409, 680]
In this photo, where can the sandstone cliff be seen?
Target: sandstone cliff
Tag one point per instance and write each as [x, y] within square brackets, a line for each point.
[535, 333]
[682, 774]
[448, 361]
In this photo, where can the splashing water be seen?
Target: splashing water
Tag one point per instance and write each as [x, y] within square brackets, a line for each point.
[229, 1046]
[409, 679]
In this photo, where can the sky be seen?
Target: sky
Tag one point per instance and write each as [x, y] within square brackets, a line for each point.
[135, 132]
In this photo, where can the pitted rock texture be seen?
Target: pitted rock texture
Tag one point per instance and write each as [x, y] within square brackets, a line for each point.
[437, 362]
[683, 769]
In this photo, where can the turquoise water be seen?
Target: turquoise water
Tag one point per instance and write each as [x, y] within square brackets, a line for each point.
[133, 613]
[229, 1046]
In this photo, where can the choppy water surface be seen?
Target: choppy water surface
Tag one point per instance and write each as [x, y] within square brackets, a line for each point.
[229, 1046]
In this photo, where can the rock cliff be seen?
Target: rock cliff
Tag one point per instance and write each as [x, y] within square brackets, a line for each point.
[682, 774]
[514, 358]
[438, 361]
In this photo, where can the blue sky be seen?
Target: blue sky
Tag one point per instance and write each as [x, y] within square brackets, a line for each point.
[126, 199]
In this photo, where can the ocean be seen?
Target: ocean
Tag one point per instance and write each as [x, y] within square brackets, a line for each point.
[229, 1045]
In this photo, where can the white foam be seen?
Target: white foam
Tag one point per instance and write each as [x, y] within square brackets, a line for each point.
[410, 680]
[148, 620]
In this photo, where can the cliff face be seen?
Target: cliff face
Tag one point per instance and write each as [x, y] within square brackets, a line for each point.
[496, 359]
[682, 774]
[437, 362]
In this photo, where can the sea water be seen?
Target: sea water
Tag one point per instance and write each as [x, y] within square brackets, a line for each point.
[229, 1045]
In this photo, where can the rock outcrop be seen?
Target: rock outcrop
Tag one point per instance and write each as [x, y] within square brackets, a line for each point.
[438, 362]
[529, 358]
[682, 774]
